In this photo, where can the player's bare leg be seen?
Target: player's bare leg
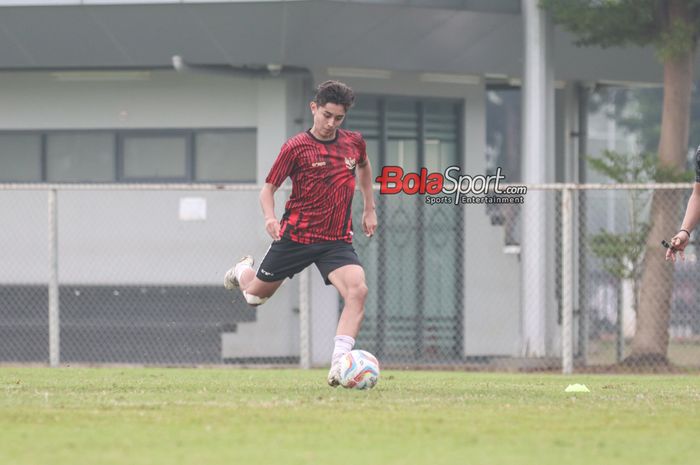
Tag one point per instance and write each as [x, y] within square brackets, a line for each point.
[242, 276]
[350, 282]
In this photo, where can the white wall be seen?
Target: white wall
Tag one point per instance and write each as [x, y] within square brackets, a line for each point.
[141, 227]
[125, 100]
[127, 237]
[23, 237]
[406, 83]
[271, 101]
[275, 332]
[492, 278]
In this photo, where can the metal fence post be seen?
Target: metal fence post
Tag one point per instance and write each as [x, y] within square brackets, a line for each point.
[566, 281]
[304, 320]
[54, 321]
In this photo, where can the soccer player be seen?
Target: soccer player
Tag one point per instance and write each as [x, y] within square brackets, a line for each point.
[317, 223]
[691, 218]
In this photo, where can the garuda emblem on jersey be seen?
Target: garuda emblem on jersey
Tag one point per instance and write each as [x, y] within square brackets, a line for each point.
[350, 163]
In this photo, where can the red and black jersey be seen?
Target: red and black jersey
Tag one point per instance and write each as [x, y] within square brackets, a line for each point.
[323, 183]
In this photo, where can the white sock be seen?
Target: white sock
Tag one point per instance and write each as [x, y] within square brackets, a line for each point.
[239, 269]
[343, 345]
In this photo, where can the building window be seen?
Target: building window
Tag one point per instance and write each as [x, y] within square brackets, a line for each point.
[80, 157]
[20, 157]
[202, 155]
[412, 133]
[503, 131]
[221, 156]
[155, 157]
[415, 131]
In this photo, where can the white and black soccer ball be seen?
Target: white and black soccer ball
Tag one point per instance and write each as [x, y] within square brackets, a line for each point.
[359, 370]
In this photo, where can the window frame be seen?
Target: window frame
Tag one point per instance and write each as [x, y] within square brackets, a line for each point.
[198, 131]
[42, 152]
[122, 136]
[45, 154]
[190, 135]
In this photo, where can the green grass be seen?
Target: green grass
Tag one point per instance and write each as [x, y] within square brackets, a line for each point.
[683, 353]
[235, 416]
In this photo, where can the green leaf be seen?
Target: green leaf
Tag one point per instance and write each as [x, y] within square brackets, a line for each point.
[607, 23]
[637, 168]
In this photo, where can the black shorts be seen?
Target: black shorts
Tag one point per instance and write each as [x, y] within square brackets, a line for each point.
[285, 258]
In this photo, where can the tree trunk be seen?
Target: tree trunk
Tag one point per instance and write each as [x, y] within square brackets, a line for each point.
[650, 343]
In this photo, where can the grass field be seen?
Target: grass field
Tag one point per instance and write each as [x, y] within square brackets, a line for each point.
[236, 416]
[683, 353]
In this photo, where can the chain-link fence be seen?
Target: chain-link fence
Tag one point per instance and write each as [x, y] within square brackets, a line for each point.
[574, 278]
[596, 252]
[633, 308]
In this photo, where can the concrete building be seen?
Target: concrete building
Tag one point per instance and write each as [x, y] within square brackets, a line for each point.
[109, 91]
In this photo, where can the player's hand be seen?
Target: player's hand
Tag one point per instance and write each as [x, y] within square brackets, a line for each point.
[369, 222]
[678, 244]
[272, 226]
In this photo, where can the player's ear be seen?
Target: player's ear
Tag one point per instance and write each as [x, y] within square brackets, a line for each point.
[313, 106]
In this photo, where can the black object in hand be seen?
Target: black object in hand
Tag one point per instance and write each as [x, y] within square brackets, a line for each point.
[665, 243]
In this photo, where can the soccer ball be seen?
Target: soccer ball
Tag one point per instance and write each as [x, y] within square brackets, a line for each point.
[359, 370]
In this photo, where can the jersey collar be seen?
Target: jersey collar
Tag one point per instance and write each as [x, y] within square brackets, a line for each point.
[330, 141]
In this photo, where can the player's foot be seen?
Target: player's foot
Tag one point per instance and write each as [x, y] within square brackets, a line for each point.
[230, 280]
[334, 375]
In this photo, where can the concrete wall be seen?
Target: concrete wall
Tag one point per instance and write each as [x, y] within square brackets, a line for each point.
[126, 100]
[122, 237]
[137, 237]
[143, 226]
[275, 333]
[492, 311]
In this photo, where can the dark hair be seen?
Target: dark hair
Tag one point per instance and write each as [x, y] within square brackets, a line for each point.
[334, 92]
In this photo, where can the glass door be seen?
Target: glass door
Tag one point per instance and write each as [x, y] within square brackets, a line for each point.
[414, 263]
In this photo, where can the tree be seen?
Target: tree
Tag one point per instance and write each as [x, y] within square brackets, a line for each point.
[622, 253]
[672, 28]
[638, 110]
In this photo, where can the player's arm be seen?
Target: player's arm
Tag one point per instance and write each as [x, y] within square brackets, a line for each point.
[692, 212]
[369, 215]
[281, 169]
[690, 220]
[267, 202]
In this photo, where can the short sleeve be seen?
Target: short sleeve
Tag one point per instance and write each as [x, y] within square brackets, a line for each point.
[283, 166]
[697, 165]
